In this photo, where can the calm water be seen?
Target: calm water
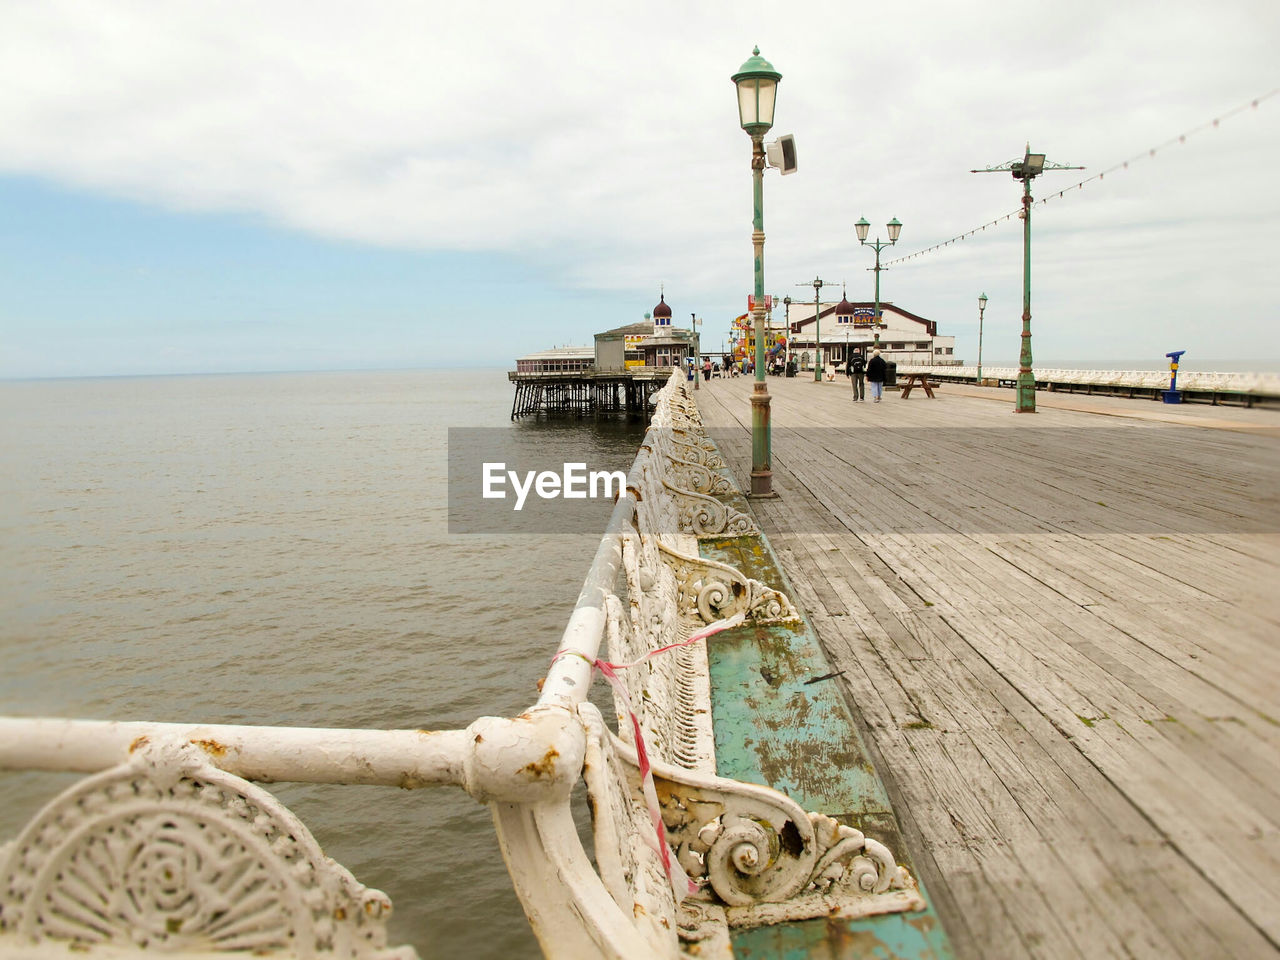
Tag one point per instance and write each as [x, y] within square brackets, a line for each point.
[273, 549]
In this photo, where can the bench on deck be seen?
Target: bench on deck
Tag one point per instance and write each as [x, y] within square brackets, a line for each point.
[917, 379]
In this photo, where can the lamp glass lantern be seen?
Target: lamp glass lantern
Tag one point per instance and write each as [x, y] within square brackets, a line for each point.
[894, 228]
[862, 226]
[757, 83]
[982, 302]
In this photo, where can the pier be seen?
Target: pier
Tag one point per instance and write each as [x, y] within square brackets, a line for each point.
[586, 393]
[1058, 635]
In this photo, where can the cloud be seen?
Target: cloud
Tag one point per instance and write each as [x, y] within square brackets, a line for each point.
[602, 146]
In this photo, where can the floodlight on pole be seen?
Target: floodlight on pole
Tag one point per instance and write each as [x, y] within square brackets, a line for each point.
[1029, 167]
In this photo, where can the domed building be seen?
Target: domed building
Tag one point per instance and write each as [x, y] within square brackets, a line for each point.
[623, 370]
[661, 316]
[653, 343]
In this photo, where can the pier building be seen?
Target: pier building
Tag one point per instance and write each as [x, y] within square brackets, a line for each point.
[901, 335]
[557, 360]
[620, 374]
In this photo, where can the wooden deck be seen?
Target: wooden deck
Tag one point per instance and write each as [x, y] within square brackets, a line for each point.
[1060, 634]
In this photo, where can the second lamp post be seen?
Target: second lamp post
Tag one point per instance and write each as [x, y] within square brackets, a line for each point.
[697, 349]
[894, 228]
[982, 308]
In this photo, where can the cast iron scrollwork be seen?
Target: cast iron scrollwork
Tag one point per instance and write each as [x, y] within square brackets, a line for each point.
[698, 478]
[705, 516]
[757, 851]
[715, 591]
[167, 852]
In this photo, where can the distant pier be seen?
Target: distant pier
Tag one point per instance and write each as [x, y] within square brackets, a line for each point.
[586, 393]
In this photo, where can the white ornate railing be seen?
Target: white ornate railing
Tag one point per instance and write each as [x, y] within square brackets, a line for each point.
[1259, 384]
[168, 847]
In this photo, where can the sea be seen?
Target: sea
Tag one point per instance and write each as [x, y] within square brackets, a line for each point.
[275, 549]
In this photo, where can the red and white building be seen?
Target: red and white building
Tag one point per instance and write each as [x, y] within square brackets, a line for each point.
[842, 327]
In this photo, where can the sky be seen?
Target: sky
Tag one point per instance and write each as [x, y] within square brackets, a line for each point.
[195, 187]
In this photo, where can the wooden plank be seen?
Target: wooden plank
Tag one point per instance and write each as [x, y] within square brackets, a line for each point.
[1015, 650]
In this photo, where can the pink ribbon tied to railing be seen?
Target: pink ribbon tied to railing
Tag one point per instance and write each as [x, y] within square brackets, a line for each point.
[681, 885]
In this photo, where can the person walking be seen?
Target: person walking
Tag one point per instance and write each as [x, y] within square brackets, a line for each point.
[875, 375]
[856, 369]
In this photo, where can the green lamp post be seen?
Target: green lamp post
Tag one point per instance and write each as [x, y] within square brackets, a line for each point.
[817, 283]
[1027, 169]
[697, 349]
[757, 84]
[894, 228]
[982, 307]
[786, 303]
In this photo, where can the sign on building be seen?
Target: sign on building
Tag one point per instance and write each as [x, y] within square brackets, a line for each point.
[631, 350]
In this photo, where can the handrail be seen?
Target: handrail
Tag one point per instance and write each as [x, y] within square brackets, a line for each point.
[569, 677]
[389, 758]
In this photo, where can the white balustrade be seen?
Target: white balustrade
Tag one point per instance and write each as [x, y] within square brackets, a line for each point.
[1256, 384]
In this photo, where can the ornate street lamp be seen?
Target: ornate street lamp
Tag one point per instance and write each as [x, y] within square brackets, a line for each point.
[817, 285]
[982, 306]
[697, 349]
[1028, 168]
[786, 302]
[894, 228]
[757, 84]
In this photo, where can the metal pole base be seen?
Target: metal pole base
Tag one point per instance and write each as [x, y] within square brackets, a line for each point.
[761, 465]
[1026, 402]
[762, 486]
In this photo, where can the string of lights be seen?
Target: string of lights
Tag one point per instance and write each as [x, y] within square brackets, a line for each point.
[1122, 165]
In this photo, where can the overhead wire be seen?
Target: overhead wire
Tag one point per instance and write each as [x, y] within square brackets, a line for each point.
[1122, 165]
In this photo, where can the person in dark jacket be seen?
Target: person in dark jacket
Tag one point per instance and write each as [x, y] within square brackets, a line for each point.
[875, 375]
[856, 370]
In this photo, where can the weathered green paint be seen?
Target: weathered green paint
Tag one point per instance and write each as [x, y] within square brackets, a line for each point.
[774, 728]
[757, 224]
[756, 66]
[761, 438]
[915, 935]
